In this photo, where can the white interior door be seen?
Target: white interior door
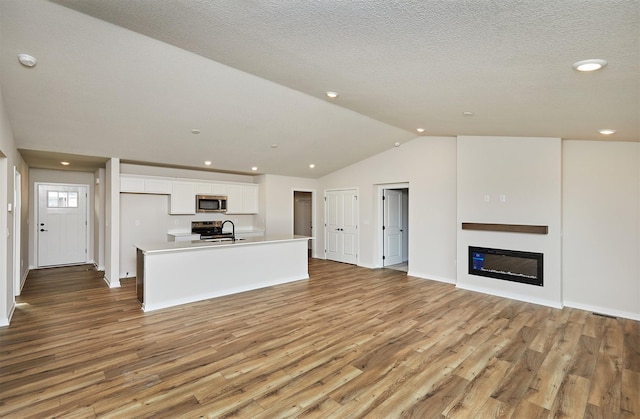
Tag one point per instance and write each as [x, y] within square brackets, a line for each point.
[62, 224]
[342, 226]
[392, 227]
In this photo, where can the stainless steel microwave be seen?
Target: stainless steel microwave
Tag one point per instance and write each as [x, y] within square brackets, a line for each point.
[211, 203]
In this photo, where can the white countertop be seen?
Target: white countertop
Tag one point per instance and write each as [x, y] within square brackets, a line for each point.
[200, 244]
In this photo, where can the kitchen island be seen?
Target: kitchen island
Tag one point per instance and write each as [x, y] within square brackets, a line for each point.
[180, 272]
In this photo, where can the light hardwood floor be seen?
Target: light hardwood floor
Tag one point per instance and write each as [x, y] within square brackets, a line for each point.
[348, 343]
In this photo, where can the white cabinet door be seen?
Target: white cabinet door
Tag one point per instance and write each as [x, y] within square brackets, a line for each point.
[234, 199]
[131, 184]
[203, 188]
[183, 198]
[135, 184]
[218, 189]
[250, 199]
[242, 199]
[157, 186]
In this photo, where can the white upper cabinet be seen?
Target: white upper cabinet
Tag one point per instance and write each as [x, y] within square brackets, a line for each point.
[234, 199]
[138, 184]
[218, 189]
[250, 198]
[183, 198]
[242, 199]
[203, 188]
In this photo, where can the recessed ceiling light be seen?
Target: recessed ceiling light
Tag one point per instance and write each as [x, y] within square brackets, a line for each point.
[312, 165]
[274, 145]
[607, 131]
[65, 163]
[420, 129]
[27, 60]
[332, 95]
[254, 168]
[467, 113]
[397, 144]
[589, 65]
[195, 131]
[208, 163]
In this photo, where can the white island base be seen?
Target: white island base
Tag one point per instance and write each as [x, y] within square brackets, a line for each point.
[175, 273]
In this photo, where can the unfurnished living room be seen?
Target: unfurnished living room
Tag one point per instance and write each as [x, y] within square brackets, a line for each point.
[335, 209]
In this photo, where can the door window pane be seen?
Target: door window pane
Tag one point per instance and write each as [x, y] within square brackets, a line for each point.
[62, 199]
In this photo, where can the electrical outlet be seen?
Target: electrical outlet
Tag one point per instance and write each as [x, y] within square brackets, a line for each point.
[137, 223]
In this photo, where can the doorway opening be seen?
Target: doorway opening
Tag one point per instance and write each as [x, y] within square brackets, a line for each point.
[303, 205]
[394, 227]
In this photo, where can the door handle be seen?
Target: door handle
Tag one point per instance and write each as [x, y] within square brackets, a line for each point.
[42, 229]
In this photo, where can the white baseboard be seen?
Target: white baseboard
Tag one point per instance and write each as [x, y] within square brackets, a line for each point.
[111, 284]
[431, 277]
[4, 321]
[603, 310]
[512, 296]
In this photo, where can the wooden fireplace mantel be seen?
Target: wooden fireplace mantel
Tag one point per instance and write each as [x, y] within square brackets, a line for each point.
[510, 228]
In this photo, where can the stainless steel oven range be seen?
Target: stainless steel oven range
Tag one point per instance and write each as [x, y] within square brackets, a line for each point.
[212, 230]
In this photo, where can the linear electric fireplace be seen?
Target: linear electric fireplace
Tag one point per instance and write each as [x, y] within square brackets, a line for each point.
[510, 265]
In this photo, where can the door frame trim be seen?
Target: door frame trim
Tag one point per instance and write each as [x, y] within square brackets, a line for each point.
[18, 280]
[378, 214]
[36, 215]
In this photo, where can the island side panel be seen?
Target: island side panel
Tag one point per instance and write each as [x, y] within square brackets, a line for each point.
[180, 277]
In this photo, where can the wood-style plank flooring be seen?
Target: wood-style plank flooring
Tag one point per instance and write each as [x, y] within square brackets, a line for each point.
[348, 343]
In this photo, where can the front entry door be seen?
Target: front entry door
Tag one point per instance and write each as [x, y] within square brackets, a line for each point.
[62, 225]
[342, 226]
[392, 227]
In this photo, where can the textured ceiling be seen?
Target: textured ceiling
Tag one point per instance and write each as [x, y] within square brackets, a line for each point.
[397, 65]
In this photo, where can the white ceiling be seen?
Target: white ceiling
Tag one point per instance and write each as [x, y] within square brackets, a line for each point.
[136, 93]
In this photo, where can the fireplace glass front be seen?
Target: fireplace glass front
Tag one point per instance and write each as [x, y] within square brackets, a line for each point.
[509, 265]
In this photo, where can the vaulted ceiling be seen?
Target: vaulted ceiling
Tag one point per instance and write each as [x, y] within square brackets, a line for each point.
[133, 78]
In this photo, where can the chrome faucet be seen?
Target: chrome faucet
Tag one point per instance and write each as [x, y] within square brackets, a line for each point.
[233, 229]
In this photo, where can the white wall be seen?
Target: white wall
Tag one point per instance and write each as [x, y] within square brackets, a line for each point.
[601, 225]
[527, 171]
[428, 164]
[9, 157]
[99, 218]
[276, 202]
